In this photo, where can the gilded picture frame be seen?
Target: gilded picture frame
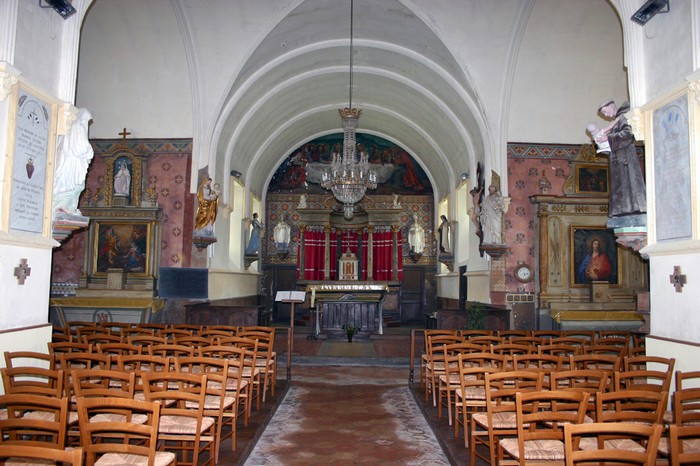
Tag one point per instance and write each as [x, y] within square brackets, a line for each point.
[592, 180]
[122, 245]
[591, 262]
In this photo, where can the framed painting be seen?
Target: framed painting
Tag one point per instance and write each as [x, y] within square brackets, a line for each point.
[122, 245]
[592, 180]
[594, 256]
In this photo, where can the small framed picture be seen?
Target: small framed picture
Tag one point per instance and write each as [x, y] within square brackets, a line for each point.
[592, 180]
[595, 256]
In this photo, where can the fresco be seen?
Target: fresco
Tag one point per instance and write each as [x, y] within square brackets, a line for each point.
[398, 171]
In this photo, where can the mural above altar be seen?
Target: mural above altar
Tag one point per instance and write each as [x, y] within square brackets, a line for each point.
[397, 172]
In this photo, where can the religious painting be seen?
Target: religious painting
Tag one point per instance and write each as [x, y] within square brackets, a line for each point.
[592, 179]
[122, 246]
[594, 256]
[672, 171]
[397, 171]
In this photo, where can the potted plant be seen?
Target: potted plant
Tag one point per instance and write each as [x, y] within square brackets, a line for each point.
[476, 313]
[350, 330]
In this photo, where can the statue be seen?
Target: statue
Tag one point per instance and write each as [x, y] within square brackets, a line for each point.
[302, 202]
[627, 188]
[282, 236]
[254, 242]
[122, 180]
[599, 138]
[395, 201]
[74, 156]
[207, 205]
[416, 236]
[444, 235]
[491, 213]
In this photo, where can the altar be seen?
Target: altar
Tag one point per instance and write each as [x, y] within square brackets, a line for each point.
[337, 304]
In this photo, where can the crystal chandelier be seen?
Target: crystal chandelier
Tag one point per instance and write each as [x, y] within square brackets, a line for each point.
[347, 177]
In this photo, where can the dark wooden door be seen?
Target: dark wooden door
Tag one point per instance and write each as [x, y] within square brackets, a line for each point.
[412, 294]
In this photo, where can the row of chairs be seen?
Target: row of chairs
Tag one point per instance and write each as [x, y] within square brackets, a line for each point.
[91, 378]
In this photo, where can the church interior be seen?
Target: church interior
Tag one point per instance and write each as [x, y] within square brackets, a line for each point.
[352, 169]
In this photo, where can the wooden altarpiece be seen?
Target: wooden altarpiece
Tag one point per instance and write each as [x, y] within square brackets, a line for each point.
[574, 290]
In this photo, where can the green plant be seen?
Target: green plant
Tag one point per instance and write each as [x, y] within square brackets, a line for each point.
[351, 329]
[476, 313]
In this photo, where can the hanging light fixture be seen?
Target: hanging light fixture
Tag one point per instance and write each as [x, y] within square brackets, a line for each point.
[347, 177]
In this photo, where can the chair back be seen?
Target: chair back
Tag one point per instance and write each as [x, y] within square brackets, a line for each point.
[639, 406]
[681, 441]
[599, 436]
[73, 457]
[34, 420]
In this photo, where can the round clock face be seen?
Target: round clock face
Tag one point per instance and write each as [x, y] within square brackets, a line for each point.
[523, 273]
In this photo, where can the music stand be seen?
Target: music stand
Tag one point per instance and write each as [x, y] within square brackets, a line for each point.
[293, 298]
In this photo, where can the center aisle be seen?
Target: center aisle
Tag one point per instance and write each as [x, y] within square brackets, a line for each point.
[345, 416]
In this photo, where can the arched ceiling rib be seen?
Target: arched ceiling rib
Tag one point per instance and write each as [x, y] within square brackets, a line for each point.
[411, 89]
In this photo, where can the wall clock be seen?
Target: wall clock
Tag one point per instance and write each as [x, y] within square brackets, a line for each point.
[523, 272]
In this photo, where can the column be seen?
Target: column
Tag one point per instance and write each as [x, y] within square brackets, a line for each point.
[302, 248]
[327, 253]
[395, 253]
[370, 253]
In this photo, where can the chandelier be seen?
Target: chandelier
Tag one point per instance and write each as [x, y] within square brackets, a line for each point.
[347, 177]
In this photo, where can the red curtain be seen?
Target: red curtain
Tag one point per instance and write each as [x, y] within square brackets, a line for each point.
[334, 255]
[382, 249]
[399, 255]
[314, 253]
[365, 254]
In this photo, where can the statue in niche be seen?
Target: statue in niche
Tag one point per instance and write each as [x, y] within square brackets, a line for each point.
[207, 205]
[416, 236]
[491, 213]
[444, 235]
[254, 242]
[122, 180]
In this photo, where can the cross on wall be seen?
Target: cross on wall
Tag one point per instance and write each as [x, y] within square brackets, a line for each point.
[22, 271]
[677, 279]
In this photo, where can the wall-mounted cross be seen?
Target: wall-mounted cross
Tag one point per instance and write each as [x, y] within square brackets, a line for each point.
[677, 279]
[124, 134]
[22, 271]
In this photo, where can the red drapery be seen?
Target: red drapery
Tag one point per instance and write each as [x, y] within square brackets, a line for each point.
[382, 243]
[333, 251]
[314, 253]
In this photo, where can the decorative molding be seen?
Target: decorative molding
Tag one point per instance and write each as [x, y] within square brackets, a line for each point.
[10, 77]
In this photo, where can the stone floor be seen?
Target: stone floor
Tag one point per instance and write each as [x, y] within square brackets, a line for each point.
[379, 353]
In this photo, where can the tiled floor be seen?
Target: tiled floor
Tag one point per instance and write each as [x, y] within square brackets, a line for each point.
[387, 353]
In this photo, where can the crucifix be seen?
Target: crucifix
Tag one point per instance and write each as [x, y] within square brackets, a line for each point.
[677, 279]
[124, 134]
[22, 271]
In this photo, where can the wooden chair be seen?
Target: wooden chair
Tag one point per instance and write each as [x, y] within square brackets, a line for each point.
[173, 333]
[530, 341]
[146, 340]
[511, 348]
[488, 340]
[569, 340]
[582, 380]
[642, 363]
[435, 363]
[603, 435]
[546, 334]
[118, 349]
[250, 372]
[219, 403]
[182, 421]
[171, 350]
[449, 381]
[603, 362]
[606, 350]
[544, 363]
[425, 356]
[587, 335]
[470, 396]
[110, 435]
[267, 357]
[638, 406]
[509, 334]
[687, 379]
[95, 339]
[133, 331]
[34, 421]
[141, 364]
[540, 417]
[195, 341]
[560, 350]
[643, 380]
[67, 347]
[27, 358]
[194, 328]
[686, 406]
[40, 455]
[499, 420]
[685, 444]
[29, 380]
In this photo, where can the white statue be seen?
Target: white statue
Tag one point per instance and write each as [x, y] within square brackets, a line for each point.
[302, 202]
[73, 160]
[491, 215]
[282, 235]
[395, 202]
[416, 236]
[122, 180]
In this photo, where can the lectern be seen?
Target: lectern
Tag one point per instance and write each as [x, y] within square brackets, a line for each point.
[292, 298]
